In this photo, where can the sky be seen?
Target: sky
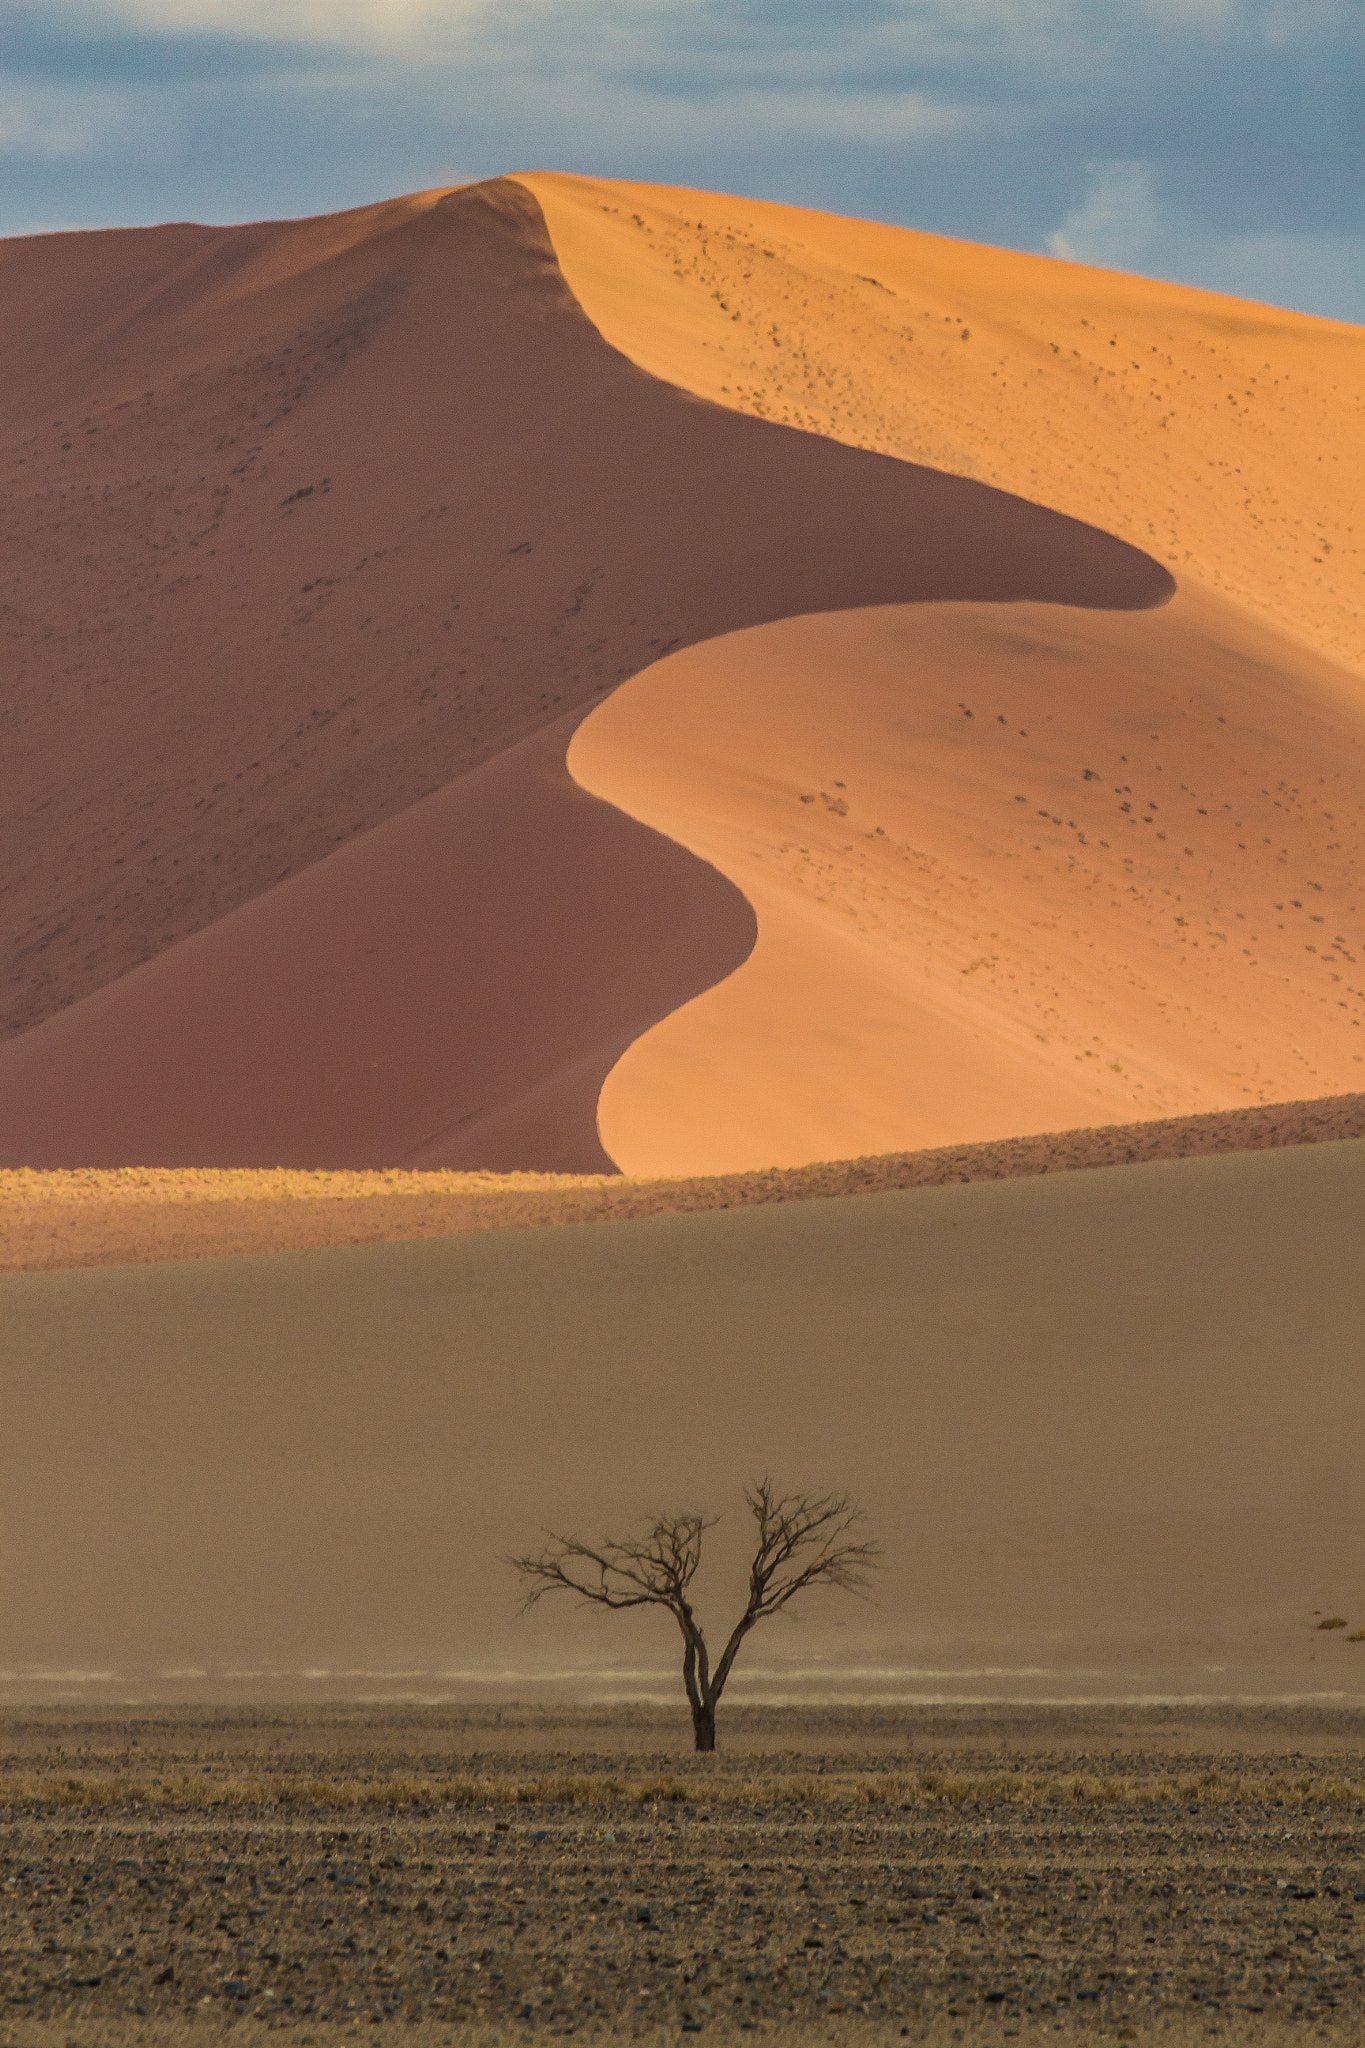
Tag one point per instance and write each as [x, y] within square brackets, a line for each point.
[1214, 142]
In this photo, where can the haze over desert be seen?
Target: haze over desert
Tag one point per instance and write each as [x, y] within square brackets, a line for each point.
[660, 838]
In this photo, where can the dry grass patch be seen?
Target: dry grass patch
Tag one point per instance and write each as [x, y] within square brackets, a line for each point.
[28, 1791]
[70, 1217]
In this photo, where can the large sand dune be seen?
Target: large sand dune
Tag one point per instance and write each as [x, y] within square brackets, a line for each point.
[1105, 1425]
[564, 675]
[876, 530]
[361, 505]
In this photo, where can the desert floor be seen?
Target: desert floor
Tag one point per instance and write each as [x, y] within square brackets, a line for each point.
[1104, 1424]
[845, 1877]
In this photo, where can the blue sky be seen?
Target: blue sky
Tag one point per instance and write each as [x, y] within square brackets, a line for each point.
[1220, 142]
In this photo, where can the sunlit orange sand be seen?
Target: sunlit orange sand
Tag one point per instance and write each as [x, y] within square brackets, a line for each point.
[1015, 868]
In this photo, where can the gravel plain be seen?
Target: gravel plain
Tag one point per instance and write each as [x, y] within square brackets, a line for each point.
[834, 1875]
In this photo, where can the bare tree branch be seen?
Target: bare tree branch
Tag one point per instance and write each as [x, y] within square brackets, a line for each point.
[804, 1540]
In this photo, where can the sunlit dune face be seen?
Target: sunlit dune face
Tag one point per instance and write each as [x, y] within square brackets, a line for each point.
[1226, 438]
[1014, 868]
[1049, 869]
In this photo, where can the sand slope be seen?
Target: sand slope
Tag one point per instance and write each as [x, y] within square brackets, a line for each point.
[954, 940]
[301, 1468]
[1014, 869]
[451, 988]
[1226, 437]
[330, 578]
[369, 513]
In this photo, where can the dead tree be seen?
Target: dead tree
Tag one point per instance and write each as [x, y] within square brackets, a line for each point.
[804, 1540]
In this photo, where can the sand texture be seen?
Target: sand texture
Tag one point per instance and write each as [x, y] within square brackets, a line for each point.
[1224, 437]
[1010, 869]
[1013, 868]
[909, 802]
[129, 1215]
[1103, 1423]
[368, 514]
[832, 1879]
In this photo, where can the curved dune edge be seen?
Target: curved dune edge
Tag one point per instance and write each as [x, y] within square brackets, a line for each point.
[451, 989]
[1014, 869]
[1218, 433]
[452, 985]
[386, 579]
[131, 1215]
[1225, 437]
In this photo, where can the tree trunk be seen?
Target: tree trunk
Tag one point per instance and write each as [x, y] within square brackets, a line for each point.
[704, 1724]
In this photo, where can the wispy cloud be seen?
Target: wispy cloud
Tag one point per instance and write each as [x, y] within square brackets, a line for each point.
[361, 24]
[1122, 224]
[1116, 224]
[49, 124]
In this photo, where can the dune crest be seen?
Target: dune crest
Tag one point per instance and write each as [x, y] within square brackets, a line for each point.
[1226, 438]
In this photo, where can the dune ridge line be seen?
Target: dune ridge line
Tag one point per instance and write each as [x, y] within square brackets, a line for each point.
[89, 1217]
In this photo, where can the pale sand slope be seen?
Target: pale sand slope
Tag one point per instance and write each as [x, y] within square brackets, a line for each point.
[1226, 437]
[100, 1216]
[306, 753]
[1014, 869]
[1104, 1424]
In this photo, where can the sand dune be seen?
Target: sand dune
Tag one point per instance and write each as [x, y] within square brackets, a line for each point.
[1014, 870]
[451, 987]
[954, 941]
[922, 817]
[294, 1474]
[919, 818]
[372, 510]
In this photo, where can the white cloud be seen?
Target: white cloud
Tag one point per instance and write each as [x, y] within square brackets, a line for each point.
[348, 23]
[1118, 221]
[1122, 225]
[867, 117]
[1042, 35]
[53, 124]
